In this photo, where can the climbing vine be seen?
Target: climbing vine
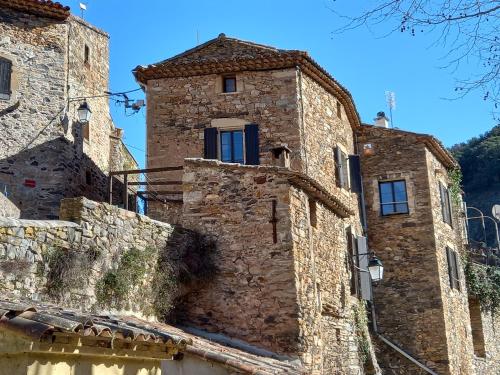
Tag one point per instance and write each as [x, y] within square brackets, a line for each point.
[361, 328]
[483, 282]
[455, 187]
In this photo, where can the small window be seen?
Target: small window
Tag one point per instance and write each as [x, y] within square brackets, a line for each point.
[86, 58]
[229, 83]
[313, 219]
[88, 177]
[444, 194]
[86, 131]
[339, 110]
[341, 168]
[393, 198]
[231, 146]
[5, 78]
[352, 261]
[453, 274]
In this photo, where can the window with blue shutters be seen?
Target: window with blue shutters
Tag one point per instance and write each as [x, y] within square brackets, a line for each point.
[5, 78]
[233, 146]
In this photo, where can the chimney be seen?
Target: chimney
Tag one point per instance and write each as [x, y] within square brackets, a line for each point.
[381, 120]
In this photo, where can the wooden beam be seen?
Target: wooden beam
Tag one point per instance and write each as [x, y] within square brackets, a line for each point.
[148, 170]
[153, 183]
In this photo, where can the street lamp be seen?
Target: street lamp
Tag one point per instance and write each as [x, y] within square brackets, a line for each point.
[84, 113]
[376, 268]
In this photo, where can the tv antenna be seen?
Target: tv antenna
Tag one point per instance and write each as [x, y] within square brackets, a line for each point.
[83, 8]
[390, 98]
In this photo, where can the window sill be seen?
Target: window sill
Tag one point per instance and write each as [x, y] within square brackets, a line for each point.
[230, 93]
[5, 97]
[396, 214]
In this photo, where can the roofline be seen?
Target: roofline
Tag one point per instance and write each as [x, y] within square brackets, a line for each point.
[292, 59]
[42, 8]
[432, 143]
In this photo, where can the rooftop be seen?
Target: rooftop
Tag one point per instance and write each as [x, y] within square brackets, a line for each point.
[52, 326]
[230, 55]
[44, 8]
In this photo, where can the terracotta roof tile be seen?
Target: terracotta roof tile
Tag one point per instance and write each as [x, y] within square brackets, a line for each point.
[44, 8]
[224, 55]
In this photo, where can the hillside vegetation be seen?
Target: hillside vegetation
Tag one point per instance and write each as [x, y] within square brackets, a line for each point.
[479, 159]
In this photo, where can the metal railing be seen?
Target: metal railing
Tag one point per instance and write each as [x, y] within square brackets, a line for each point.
[150, 193]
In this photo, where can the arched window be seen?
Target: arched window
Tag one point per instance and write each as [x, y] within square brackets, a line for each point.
[5, 75]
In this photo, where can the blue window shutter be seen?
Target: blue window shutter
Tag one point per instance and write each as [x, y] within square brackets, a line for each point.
[211, 143]
[252, 144]
[364, 274]
[355, 170]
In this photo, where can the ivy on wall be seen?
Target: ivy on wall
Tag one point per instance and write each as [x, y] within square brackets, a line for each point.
[455, 186]
[483, 282]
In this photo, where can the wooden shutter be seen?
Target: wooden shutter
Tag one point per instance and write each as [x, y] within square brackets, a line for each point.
[339, 167]
[456, 274]
[364, 274]
[450, 261]
[5, 75]
[448, 206]
[252, 144]
[355, 170]
[211, 143]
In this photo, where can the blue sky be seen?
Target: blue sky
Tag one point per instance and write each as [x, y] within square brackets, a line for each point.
[152, 30]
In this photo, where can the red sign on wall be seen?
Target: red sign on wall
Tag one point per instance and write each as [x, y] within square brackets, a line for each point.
[30, 183]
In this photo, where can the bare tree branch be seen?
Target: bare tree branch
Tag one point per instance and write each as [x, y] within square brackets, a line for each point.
[469, 31]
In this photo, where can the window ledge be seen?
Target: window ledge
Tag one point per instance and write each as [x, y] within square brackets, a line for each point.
[5, 96]
[398, 214]
[230, 93]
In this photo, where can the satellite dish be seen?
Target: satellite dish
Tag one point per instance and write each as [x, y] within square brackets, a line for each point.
[496, 211]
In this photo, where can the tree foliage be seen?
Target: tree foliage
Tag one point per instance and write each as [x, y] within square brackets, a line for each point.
[479, 159]
[469, 30]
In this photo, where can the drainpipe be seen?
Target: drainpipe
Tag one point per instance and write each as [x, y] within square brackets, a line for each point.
[396, 348]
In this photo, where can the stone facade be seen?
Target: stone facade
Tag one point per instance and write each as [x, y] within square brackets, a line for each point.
[283, 288]
[87, 227]
[7, 208]
[45, 153]
[416, 307]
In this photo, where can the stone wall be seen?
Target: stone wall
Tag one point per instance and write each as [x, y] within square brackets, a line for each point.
[104, 231]
[489, 363]
[43, 156]
[455, 301]
[290, 296]
[7, 208]
[179, 109]
[408, 300]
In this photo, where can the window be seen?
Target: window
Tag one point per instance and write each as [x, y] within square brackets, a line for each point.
[88, 177]
[231, 146]
[339, 110]
[229, 84]
[86, 57]
[313, 219]
[445, 203]
[86, 131]
[341, 168]
[352, 260]
[5, 77]
[452, 259]
[393, 198]
[476, 323]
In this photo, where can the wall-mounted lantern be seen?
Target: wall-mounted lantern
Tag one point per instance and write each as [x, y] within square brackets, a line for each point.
[84, 113]
[376, 268]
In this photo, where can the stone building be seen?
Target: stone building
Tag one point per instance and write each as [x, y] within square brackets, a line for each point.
[278, 168]
[282, 129]
[417, 228]
[50, 64]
